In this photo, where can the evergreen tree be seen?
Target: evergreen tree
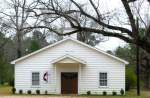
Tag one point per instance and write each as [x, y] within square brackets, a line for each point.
[34, 45]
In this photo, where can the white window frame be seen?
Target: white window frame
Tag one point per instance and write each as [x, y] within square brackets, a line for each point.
[31, 79]
[106, 79]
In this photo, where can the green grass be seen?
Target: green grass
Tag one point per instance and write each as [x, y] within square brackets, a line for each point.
[129, 94]
[6, 90]
[132, 94]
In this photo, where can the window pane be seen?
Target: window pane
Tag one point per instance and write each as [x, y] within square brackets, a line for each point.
[103, 79]
[35, 78]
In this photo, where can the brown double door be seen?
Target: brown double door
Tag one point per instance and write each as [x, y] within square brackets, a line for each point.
[69, 82]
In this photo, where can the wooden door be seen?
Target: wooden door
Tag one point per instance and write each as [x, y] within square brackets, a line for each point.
[69, 83]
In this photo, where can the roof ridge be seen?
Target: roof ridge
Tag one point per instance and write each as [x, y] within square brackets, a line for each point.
[73, 39]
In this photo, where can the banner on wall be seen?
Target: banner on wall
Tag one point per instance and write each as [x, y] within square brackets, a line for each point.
[45, 77]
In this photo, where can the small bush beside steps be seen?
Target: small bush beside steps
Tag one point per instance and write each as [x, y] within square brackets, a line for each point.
[20, 91]
[29, 91]
[114, 93]
[13, 90]
[122, 92]
[104, 93]
[88, 92]
[38, 92]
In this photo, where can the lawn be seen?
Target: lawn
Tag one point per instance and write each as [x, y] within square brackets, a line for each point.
[6, 91]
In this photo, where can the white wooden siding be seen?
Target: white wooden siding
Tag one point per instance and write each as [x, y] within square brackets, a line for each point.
[96, 62]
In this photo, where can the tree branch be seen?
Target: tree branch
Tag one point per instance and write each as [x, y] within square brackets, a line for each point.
[123, 30]
[96, 9]
[130, 15]
[106, 33]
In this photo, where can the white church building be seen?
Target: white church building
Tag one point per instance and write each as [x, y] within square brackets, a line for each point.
[69, 67]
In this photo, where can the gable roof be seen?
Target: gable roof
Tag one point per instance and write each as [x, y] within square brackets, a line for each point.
[74, 40]
[70, 57]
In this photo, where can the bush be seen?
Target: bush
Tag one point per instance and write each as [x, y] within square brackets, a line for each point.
[29, 91]
[13, 90]
[20, 91]
[122, 92]
[130, 79]
[37, 91]
[88, 92]
[114, 93]
[104, 93]
[46, 92]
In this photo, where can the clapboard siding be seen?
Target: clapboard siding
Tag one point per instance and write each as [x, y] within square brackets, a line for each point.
[89, 76]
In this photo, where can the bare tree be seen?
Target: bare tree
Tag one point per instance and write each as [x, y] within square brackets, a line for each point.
[89, 37]
[132, 34]
[3, 31]
[55, 9]
[16, 17]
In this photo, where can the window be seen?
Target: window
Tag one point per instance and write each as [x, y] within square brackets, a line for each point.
[103, 78]
[35, 78]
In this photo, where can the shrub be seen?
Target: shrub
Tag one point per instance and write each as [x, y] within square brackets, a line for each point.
[29, 91]
[122, 92]
[13, 90]
[88, 92]
[11, 82]
[114, 93]
[130, 78]
[46, 92]
[20, 91]
[37, 91]
[104, 93]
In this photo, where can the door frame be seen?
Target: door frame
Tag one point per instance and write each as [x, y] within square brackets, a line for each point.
[68, 73]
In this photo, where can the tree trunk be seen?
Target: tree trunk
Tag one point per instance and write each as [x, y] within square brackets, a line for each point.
[138, 71]
[19, 44]
[81, 37]
[147, 73]
[147, 80]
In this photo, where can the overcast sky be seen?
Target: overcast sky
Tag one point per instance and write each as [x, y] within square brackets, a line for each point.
[107, 5]
[111, 44]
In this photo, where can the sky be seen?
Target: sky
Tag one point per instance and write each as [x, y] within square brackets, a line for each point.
[111, 44]
[106, 5]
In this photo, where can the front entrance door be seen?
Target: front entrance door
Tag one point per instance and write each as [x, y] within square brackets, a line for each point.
[69, 83]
